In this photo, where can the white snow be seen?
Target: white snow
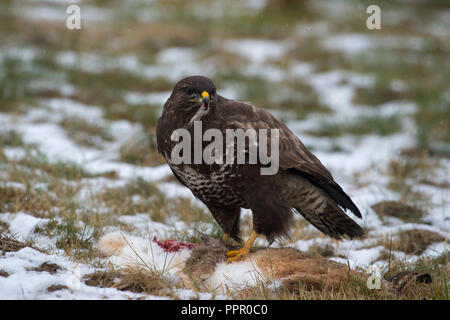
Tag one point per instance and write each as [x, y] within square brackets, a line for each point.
[21, 225]
[174, 190]
[23, 283]
[257, 51]
[358, 43]
[175, 55]
[235, 276]
[156, 98]
[74, 109]
[14, 153]
[124, 250]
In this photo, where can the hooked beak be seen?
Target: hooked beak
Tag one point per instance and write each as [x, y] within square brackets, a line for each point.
[204, 108]
[204, 100]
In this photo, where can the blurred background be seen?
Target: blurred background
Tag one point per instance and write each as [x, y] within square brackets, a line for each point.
[128, 55]
[78, 110]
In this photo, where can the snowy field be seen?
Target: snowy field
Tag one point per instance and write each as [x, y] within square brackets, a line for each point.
[78, 110]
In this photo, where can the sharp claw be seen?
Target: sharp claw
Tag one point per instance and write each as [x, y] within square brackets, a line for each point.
[241, 254]
[232, 253]
[237, 255]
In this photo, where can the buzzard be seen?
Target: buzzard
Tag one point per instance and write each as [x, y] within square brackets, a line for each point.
[302, 184]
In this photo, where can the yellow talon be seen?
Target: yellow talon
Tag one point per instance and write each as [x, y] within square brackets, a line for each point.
[237, 255]
[241, 254]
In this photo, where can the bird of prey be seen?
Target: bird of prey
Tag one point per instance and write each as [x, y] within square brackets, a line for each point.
[302, 183]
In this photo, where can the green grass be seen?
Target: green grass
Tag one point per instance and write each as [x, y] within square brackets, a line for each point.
[412, 167]
[85, 133]
[58, 169]
[378, 125]
[114, 81]
[120, 200]
[75, 233]
[379, 94]
[145, 114]
[301, 100]
[433, 122]
[11, 138]
[13, 85]
[141, 150]
[399, 210]
[140, 196]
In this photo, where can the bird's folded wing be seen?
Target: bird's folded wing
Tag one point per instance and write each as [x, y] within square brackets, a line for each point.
[293, 155]
[292, 152]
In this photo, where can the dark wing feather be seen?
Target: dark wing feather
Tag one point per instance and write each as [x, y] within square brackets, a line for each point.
[294, 156]
[178, 177]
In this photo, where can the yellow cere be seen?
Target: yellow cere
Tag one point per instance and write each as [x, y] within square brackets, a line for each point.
[205, 94]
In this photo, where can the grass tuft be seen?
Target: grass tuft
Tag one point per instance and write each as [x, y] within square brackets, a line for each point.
[378, 125]
[130, 279]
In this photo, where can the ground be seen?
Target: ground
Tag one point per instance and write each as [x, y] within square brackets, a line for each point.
[78, 110]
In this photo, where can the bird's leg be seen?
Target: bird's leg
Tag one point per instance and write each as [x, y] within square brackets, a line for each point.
[225, 238]
[237, 255]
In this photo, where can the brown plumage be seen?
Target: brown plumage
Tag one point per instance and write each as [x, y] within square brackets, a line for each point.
[302, 183]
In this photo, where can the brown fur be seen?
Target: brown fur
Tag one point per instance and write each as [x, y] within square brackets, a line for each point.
[294, 268]
[202, 263]
[301, 270]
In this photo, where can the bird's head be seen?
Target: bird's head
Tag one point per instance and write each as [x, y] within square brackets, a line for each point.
[194, 97]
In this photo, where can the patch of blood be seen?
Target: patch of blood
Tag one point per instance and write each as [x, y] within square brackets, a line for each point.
[173, 245]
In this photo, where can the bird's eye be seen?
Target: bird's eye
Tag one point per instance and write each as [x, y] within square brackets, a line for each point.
[190, 92]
